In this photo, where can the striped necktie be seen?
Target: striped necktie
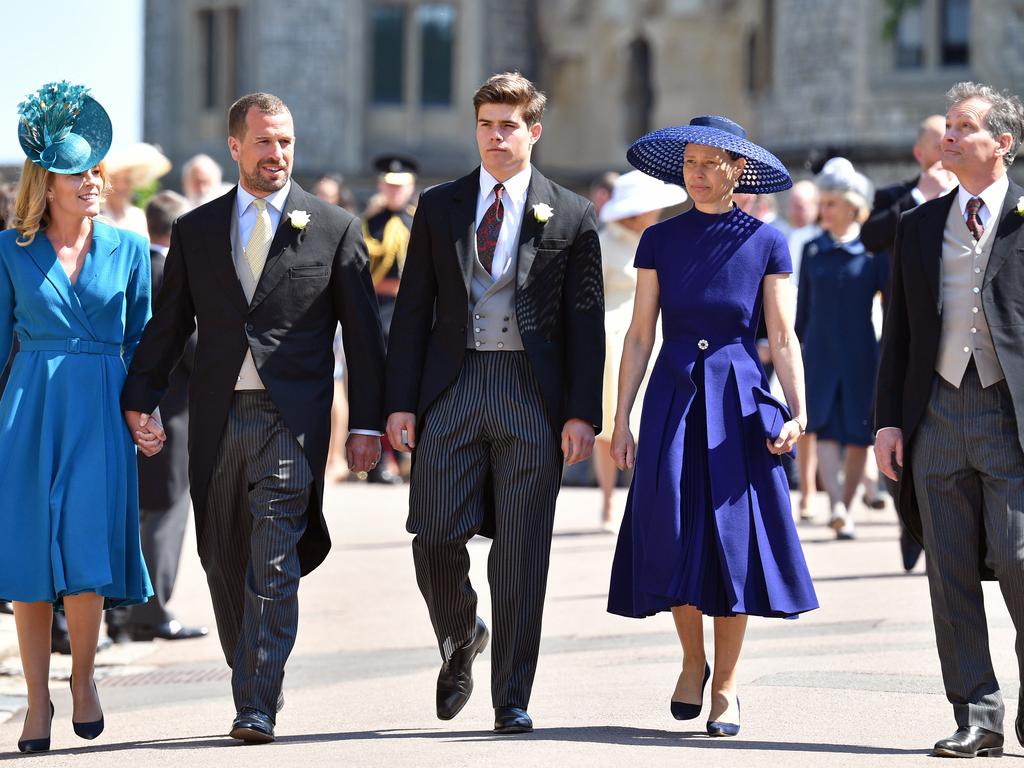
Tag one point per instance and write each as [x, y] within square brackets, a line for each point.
[259, 241]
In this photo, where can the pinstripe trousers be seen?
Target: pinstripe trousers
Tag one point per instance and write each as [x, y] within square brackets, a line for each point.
[968, 471]
[255, 516]
[487, 434]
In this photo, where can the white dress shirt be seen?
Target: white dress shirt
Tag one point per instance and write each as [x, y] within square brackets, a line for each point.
[992, 198]
[513, 201]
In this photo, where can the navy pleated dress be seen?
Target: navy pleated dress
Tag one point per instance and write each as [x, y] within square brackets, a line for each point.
[69, 496]
[708, 520]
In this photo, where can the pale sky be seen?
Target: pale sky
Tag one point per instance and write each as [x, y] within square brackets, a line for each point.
[97, 43]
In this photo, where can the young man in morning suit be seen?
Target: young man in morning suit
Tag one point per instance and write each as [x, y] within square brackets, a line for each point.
[267, 271]
[950, 401]
[493, 376]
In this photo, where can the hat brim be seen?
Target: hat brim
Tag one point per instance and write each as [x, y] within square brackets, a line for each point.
[660, 154]
[623, 208]
[92, 126]
[143, 163]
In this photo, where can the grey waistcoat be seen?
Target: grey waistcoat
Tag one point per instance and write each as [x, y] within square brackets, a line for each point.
[492, 325]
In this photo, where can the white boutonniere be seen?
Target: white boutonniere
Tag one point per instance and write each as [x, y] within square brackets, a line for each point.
[542, 212]
[1020, 206]
[299, 219]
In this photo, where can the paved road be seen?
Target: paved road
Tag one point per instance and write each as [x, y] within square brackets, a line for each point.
[853, 684]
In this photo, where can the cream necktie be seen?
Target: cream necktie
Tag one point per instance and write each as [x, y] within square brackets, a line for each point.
[259, 241]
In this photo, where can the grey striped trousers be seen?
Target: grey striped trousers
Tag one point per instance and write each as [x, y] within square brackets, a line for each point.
[487, 434]
[968, 471]
[255, 516]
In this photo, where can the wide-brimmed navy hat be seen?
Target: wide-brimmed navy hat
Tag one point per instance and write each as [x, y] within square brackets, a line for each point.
[660, 154]
[63, 129]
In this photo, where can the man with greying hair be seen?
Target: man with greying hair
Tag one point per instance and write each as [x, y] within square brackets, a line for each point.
[950, 401]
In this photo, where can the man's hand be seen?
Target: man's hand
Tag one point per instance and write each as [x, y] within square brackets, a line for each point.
[577, 441]
[362, 452]
[146, 430]
[889, 442]
[934, 181]
[402, 424]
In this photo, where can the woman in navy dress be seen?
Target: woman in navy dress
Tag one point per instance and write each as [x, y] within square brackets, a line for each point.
[76, 293]
[838, 283]
[708, 528]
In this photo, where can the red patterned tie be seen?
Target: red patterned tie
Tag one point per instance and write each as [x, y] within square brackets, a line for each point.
[487, 232]
[973, 219]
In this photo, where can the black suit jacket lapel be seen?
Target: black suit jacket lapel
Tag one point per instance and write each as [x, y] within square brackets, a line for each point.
[931, 231]
[539, 192]
[463, 220]
[1007, 239]
[286, 239]
[221, 255]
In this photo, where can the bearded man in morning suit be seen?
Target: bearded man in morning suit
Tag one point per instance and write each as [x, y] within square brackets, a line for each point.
[267, 271]
[950, 401]
[494, 365]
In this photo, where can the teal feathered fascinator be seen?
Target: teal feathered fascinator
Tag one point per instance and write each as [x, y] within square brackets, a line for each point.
[63, 129]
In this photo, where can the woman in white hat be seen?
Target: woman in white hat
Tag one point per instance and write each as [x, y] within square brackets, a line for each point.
[636, 203]
[131, 168]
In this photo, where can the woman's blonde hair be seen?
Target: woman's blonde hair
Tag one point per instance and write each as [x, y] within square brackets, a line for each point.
[31, 212]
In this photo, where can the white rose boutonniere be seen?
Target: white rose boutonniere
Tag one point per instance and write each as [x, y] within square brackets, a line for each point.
[299, 219]
[542, 212]
[1020, 206]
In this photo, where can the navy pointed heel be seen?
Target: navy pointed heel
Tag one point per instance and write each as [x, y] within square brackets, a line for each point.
[718, 728]
[683, 711]
[85, 730]
[36, 745]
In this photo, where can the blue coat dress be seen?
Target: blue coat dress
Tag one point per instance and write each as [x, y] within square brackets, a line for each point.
[838, 283]
[69, 508]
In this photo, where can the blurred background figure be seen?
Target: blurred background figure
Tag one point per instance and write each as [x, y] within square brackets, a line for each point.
[333, 189]
[132, 168]
[636, 203]
[838, 283]
[202, 180]
[386, 231]
[601, 190]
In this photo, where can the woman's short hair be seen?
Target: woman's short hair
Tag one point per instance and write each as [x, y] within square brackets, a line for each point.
[512, 88]
[31, 212]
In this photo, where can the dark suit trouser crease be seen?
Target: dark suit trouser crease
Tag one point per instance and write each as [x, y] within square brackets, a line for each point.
[488, 433]
[162, 533]
[968, 471]
[255, 516]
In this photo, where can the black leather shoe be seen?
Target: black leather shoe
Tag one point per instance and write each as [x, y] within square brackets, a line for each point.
[909, 549]
[36, 745]
[972, 741]
[168, 630]
[720, 728]
[455, 680]
[512, 720]
[683, 711]
[252, 726]
[88, 730]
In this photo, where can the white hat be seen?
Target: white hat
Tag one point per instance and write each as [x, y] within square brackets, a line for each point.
[636, 192]
[144, 162]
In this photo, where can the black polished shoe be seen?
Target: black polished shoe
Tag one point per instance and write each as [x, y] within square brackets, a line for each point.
[719, 728]
[168, 630]
[683, 711]
[512, 720]
[910, 550]
[970, 741]
[252, 726]
[36, 745]
[455, 680]
[88, 730]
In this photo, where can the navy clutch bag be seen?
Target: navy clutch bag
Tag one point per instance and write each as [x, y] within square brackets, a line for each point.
[772, 414]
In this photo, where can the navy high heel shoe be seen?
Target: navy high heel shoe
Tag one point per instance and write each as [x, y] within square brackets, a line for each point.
[718, 728]
[86, 730]
[36, 745]
[683, 711]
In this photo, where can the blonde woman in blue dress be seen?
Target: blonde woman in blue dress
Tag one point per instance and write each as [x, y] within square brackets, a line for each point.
[76, 293]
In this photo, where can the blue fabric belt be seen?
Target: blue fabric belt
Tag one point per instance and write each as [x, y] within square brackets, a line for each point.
[70, 346]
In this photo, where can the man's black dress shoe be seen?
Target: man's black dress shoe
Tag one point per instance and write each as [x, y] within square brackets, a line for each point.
[909, 549]
[455, 680]
[512, 720]
[972, 741]
[252, 726]
[168, 630]
[36, 745]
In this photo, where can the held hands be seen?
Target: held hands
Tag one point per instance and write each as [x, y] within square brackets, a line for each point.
[401, 431]
[623, 448]
[146, 430]
[577, 441]
[889, 443]
[791, 433]
[362, 452]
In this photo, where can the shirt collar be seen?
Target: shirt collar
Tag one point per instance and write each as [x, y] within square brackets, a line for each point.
[515, 187]
[277, 200]
[993, 196]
